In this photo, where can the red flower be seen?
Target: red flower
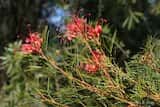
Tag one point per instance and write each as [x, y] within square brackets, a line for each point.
[75, 27]
[27, 48]
[98, 30]
[95, 62]
[91, 68]
[91, 32]
[96, 56]
[79, 26]
[33, 37]
[94, 32]
[32, 44]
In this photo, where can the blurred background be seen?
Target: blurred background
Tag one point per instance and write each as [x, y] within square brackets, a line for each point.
[134, 20]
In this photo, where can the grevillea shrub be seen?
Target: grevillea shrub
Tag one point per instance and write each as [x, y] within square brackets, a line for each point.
[77, 70]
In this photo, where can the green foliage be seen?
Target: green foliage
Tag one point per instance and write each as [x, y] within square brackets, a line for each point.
[156, 8]
[132, 19]
[21, 81]
[56, 79]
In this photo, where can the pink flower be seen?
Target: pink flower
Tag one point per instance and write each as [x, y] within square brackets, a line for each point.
[94, 65]
[96, 56]
[32, 44]
[90, 32]
[80, 27]
[98, 30]
[26, 48]
[94, 32]
[91, 68]
[75, 27]
[33, 37]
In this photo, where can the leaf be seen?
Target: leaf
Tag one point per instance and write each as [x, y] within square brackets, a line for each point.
[138, 14]
[125, 22]
[135, 18]
[112, 41]
[45, 36]
[130, 23]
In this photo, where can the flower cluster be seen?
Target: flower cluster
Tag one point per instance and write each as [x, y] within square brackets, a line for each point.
[94, 32]
[80, 27]
[32, 44]
[95, 63]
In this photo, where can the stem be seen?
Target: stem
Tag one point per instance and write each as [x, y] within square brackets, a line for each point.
[79, 82]
[50, 101]
[84, 84]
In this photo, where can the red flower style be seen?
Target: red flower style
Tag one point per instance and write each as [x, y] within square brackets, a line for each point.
[96, 56]
[98, 30]
[75, 27]
[32, 44]
[91, 68]
[79, 26]
[94, 32]
[94, 66]
[26, 48]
